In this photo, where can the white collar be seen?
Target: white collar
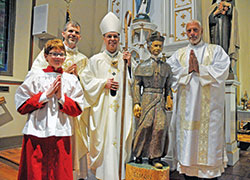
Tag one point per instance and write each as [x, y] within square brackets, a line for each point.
[69, 49]
[201, 43]
[112, 55]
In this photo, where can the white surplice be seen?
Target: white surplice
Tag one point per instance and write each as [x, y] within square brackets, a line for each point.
[198, 115]
[49, 120]
[79, 143]
[105, 115]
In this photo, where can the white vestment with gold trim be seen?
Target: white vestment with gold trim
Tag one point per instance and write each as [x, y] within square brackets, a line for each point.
[198, 115]
[105, 115]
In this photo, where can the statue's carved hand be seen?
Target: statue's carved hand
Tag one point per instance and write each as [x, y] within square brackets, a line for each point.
[137, 110]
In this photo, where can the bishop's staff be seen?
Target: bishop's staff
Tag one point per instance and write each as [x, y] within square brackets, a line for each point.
[126, 24]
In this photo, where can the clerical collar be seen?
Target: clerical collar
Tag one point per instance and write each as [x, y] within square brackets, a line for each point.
[69, 49]
[201, 43]
[112, 55]
[52, 69]
[156, 58]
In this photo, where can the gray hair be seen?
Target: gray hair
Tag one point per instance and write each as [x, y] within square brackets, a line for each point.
[71, 22]
[194, 21]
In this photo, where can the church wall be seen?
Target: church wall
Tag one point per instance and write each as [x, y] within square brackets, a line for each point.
[244, 56]
[20, 67]
[87, 13]
[243, 63]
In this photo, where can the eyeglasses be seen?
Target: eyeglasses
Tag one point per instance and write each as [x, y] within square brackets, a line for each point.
[54, 54]
[110, 36]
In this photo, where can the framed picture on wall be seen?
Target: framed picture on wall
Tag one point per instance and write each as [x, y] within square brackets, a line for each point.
[7, 30]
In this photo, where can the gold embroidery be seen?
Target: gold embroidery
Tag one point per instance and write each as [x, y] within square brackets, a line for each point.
[182, 54]
[191, 125]
[114, 64]
[182, 116]
[204, 125]
[208, 55]
[115, 106]
[114, 143]
[205, 111]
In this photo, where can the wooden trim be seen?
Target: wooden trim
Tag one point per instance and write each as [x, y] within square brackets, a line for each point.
[10, 142]
[31, 36]
[8, 82]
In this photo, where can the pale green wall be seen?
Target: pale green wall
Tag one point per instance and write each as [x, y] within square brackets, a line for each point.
[87, 12]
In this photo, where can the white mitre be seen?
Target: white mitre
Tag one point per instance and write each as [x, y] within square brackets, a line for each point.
[110, 23]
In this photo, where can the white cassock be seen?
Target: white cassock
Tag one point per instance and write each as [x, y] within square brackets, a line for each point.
[105, 115]
[79, 144]
[198, 115]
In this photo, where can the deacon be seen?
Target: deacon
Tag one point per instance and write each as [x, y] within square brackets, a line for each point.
[73, 64]
[153, 76]
[102, 81]
[200, 71]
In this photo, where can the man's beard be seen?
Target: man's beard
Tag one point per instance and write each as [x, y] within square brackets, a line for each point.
[194, 40]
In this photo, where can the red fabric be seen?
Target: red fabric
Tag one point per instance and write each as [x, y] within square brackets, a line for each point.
[46, 159]
[70, 107]
[31, 104]
[52, 69]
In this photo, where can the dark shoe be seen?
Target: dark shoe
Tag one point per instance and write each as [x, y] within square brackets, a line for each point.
[138, 160]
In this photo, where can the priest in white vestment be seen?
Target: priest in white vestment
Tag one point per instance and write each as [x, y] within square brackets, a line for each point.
[73, 64]
[200, 71]
[102, 81]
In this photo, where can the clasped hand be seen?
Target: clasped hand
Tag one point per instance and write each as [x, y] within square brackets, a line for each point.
[72, 69]
[55, 88]
[193, 63]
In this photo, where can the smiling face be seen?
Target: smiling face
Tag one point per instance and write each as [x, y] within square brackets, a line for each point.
[55, 57]
[156, 48]
[194, 32]
[111, 40]
[71, 36]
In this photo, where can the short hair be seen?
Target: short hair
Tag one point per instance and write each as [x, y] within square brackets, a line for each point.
[73, 23]
[194, 21]
[54, 44]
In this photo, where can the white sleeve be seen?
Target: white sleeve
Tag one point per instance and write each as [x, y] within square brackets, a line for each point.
[217, 72]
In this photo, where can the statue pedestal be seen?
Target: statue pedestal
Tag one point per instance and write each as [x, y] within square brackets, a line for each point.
[230, 122]
[145, 172]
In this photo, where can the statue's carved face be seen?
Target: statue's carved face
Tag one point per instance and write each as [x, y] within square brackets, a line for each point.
[156, 48]
[111, 40]
[194, 32]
